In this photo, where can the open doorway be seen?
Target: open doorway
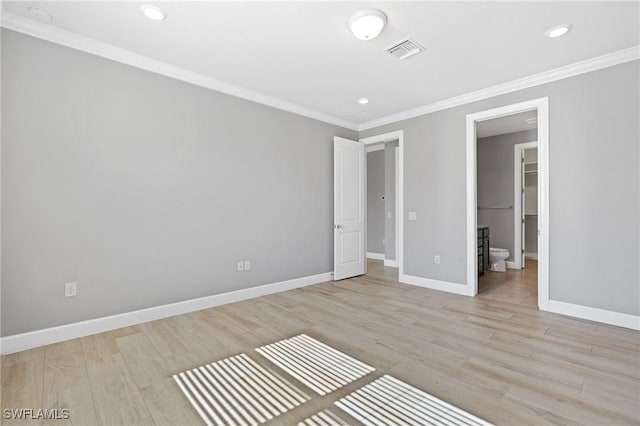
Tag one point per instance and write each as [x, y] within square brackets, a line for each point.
[382, 216]
[383, 154]
[507, 203]
[501, 146]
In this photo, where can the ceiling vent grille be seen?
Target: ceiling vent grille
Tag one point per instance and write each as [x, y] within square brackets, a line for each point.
[404, 49]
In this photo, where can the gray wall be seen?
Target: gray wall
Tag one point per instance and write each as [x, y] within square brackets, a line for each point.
[495, 185]
[375, 204]
[146, 190]
[390, 200]
[594, 187]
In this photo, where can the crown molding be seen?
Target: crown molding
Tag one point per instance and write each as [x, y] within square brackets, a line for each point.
[85, 44]
[588, 65]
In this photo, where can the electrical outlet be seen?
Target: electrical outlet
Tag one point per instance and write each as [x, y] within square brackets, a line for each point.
[388, 215]
[240, 266]
[70, 289]
[436, 259]
[384, 241]
[247, 265]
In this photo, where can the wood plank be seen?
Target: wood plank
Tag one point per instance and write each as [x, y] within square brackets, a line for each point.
[115, 395]
[499, 358]
[78, 401]
[64, 367]
[167, 405]
[22, 385]
[143, 361]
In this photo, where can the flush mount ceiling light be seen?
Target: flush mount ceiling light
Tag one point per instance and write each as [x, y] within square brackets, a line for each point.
[363, 101]
[40, 14]
[153, 12]
[367, 24]
[558, 31]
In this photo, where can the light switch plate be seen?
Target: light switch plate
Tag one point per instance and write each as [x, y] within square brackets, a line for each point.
[413, 216]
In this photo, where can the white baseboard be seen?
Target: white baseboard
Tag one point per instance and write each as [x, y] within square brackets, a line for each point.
[531, 256]
[592, 314]
[33, 339]
[377, 256]
[512, 265]
[434, 284]
[390, 262]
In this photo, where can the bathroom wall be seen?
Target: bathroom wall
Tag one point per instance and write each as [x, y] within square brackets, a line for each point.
[495, 185]
[375, 203]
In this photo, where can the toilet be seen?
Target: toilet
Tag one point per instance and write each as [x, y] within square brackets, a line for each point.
[497, 257]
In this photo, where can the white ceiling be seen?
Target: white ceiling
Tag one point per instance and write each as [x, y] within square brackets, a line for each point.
[507, 124]
[303, 52]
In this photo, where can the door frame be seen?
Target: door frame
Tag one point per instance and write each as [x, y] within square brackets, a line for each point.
[541, 105]
[518, 150]
[383, 138]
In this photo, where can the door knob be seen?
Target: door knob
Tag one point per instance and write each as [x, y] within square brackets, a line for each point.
[337, 226]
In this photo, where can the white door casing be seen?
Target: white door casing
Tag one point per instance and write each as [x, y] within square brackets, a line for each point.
[542, 107]
[349, 217]
[397, 135]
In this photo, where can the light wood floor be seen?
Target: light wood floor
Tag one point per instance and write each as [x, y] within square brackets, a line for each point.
[504, 362]
[518, 286]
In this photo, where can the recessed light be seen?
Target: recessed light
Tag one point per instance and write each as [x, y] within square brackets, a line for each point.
[40, 14]
[367, 24]
[558, 31]
[153, 12]
[363, 101]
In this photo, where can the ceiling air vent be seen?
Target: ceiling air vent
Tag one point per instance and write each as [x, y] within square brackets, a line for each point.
[404, 48]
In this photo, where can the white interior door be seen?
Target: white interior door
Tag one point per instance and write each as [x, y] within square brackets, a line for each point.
[349, 217]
